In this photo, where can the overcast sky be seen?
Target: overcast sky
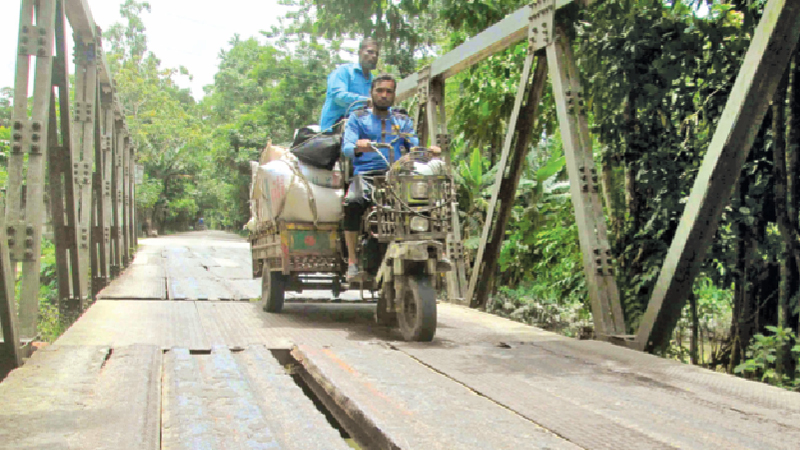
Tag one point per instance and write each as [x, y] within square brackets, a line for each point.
[180, 32]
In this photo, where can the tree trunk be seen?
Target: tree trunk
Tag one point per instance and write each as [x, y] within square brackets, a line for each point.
[789, 247]
[793, 159]
[695, 329]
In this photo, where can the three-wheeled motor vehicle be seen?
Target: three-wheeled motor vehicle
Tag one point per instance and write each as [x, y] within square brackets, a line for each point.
[402, 247]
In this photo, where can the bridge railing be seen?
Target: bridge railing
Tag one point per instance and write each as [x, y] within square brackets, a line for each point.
[542, 24]
[77, 154]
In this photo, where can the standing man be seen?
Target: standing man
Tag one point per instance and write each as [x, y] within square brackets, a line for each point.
[383, 125]
[348, 84]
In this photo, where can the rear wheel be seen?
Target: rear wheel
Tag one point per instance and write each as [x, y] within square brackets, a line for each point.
[273, 288]
[382, 313]
[418, 309]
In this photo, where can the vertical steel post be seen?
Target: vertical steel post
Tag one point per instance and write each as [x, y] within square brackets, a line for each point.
[101, 229]
[126, 210]
[120, 146]
[597, 263]
[59, 163]
[83, 150]
[25, 208]
[10, 352]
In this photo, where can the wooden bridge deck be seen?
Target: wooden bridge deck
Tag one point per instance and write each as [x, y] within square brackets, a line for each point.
[173, 355]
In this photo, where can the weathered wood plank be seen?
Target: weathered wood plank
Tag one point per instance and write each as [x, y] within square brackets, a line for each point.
[83, 397]
[267, 409]
[764, 64]
[401, 403]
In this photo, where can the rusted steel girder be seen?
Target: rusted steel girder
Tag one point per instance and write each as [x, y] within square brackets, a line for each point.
[764, 64]
[431, 122]
[44, 140]
[10, 352]
[507, 189]
[25, 208]
[607, 313]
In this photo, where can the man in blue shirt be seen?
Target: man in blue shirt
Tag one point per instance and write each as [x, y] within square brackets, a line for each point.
[380, 124]
[348, 84]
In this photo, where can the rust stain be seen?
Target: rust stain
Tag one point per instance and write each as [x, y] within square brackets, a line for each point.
[369, 386]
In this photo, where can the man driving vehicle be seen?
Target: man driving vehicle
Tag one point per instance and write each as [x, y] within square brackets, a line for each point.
[383, 125]
[348, 84]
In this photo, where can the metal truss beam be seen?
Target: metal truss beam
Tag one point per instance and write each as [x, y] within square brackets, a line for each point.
[61, 138]
[509, 31]
[764, 64]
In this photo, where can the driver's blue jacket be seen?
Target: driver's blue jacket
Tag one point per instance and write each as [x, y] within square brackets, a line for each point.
[364, 124]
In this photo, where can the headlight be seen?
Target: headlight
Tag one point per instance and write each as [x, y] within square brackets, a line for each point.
[419, 190]
[419, 224]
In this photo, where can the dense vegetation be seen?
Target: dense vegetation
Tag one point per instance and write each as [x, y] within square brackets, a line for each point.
[657, 74]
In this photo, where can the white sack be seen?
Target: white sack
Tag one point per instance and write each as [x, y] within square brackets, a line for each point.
[274, 182]
[321, 177]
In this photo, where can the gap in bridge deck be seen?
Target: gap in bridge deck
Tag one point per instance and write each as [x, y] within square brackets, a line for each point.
[293, 368]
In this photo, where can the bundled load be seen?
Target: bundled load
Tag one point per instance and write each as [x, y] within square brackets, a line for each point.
[288, 189]
[320, 150]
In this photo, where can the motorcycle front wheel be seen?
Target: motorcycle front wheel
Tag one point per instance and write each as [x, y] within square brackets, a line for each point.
[417, 318]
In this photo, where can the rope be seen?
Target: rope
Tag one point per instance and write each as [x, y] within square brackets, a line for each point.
[296, 173]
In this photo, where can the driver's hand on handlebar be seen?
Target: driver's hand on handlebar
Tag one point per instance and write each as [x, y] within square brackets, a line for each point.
[363, 145]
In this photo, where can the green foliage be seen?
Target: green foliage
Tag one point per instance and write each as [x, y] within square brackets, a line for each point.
[658, 78]
[406, 29]
[50, 325]
[762, 357]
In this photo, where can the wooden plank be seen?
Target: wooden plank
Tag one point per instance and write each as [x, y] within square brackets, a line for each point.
[592, 233]
[91, 397]
[477, 270]
[600, 396]
[268, 410]
[769, 53]
[400, 403]
[507, 188]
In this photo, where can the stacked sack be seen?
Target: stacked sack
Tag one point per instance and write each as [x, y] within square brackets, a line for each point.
[290, 190]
